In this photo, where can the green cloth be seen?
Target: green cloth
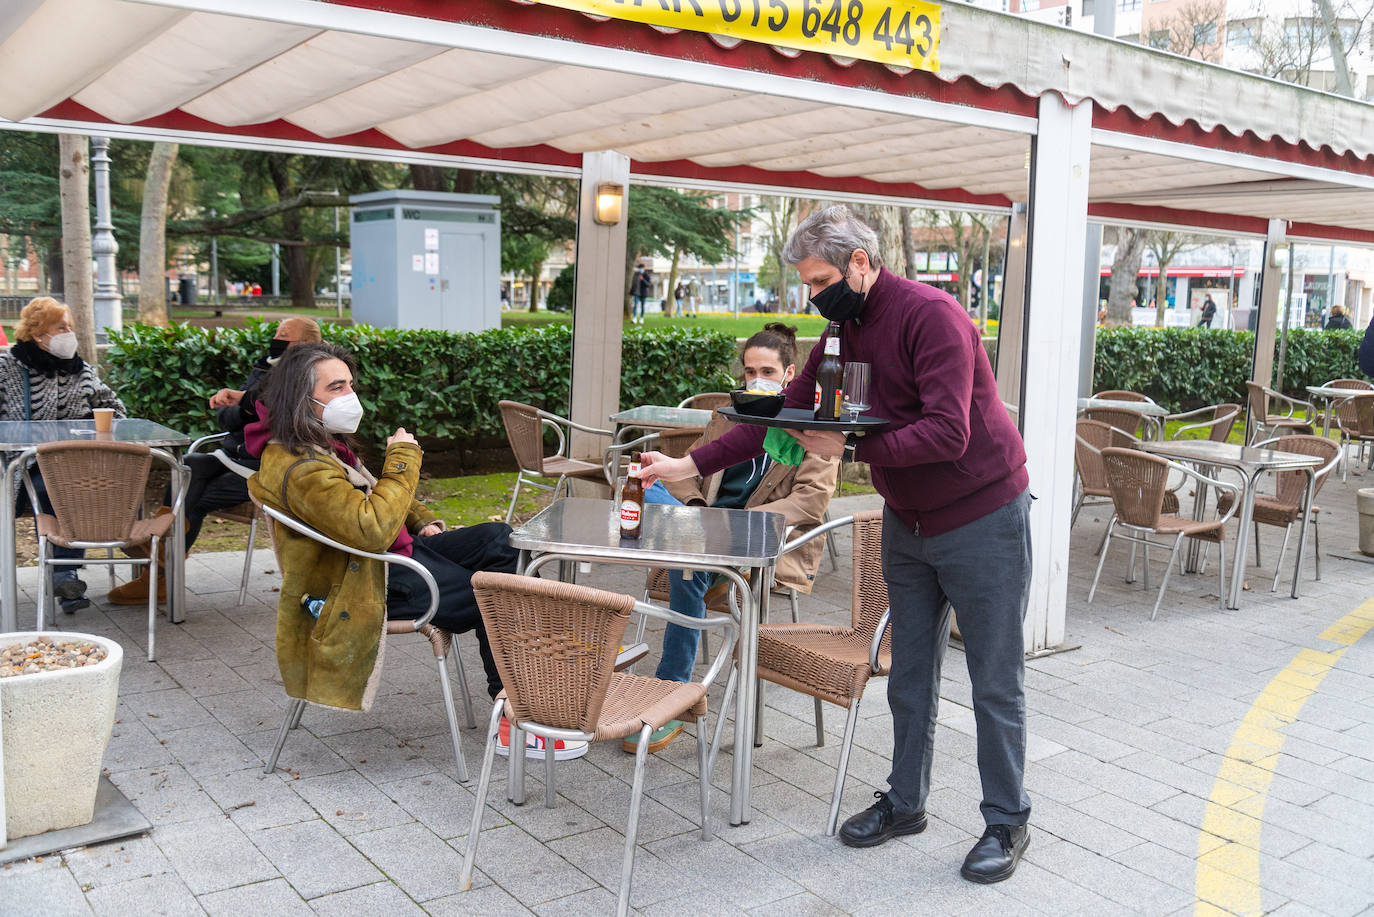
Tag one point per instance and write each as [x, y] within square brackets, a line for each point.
[783, 447]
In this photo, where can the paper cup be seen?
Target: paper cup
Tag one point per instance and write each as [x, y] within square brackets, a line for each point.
[104, 419]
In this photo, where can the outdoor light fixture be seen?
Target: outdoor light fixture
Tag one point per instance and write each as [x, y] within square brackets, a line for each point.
[610, 198]
[1278, 255]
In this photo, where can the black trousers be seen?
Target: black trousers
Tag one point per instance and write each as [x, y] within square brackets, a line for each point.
[212, 487]
[452, 558]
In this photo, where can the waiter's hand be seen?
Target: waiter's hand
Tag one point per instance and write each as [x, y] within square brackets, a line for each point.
[225, 397]
[820, 442]
[656, 466]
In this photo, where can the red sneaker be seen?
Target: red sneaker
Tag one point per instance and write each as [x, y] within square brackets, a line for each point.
[534, 745]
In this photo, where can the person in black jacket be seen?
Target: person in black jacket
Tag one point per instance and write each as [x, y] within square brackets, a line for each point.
[212, 485]
[1337, 319]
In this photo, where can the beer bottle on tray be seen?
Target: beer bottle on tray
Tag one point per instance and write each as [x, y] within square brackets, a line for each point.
[632, 501]
[830, 377]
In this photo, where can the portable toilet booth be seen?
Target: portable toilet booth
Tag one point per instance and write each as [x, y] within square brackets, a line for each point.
[423, 259]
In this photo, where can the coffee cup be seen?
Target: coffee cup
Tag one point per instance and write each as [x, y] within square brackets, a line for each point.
[104, 419]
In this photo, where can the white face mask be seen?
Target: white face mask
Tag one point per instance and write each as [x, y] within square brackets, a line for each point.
[760, 384]
[343, 414]
[63, 346]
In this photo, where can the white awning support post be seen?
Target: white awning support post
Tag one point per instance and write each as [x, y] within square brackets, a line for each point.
[1271, 287]
[1052, 344]
[1092, 285]
[598, 304]
[1011, 323]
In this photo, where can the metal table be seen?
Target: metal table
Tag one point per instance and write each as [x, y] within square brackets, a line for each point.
[658, 417]
[678, 537]
[1153, 414]
[1250, 463]
[1330, 394]
[16, 435]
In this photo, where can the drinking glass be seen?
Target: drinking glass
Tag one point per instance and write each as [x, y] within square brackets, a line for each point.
[856, 389]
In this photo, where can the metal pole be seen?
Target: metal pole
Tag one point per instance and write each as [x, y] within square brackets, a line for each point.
[1231, 289]
[105, 299]
[276, 269]
[338, 270]
[214, 264]
[1287, 310]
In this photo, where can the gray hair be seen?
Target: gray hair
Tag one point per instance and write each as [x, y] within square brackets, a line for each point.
[287, 392]
[832, 235]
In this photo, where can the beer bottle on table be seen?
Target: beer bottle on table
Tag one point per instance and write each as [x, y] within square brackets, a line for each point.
[830, 377]
[632, 501]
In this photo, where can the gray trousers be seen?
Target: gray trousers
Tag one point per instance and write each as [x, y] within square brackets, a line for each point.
[983, 570]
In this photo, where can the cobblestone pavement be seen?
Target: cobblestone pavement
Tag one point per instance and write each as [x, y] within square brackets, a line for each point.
[1206, 761]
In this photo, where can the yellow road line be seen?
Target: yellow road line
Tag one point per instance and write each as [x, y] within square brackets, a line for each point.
[1228, 866]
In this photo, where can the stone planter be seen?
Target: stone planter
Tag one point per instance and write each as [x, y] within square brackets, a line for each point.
[56, 726]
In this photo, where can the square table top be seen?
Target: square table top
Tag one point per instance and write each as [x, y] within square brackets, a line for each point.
[1145, 408]
[659, 415]
[1247, 457]
[21, 434]
[672, 535]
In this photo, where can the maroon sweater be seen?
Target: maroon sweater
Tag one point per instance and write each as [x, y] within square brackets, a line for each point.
[951, 453]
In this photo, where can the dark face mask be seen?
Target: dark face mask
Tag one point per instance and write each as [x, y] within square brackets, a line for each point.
[839, 302]
[277, 347]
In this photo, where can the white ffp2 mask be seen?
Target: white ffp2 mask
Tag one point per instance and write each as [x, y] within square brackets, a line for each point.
[63, 346]
[343, 414]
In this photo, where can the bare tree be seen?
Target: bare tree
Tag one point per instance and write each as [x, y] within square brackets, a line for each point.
[886, 221]
[1166, 246]
[1130, 249]
[75, 193]
[1331, 28]
[152, 236]
[1194, 30]
[779, 216]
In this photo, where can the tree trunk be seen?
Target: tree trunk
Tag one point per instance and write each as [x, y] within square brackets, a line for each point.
[671, 292]
[1161, 288]
[1337, 48]
[152, 236]
[1130, 250]
[428, 178]
[908, 243]
[75, 192]
[885, 221]
[536, 269]
[295, 258]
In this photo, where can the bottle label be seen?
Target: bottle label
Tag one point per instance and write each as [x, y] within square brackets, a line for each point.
[633, 470]
[817, 405]
[629, 514]
[832, 345]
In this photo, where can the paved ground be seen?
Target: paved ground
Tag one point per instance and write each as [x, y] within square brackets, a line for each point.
[1207, 761]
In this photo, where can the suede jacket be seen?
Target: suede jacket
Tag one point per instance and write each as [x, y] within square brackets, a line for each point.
[335, 661]
[800, 493]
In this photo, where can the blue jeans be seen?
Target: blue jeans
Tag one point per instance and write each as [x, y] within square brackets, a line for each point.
[686, 595]
[638, 310]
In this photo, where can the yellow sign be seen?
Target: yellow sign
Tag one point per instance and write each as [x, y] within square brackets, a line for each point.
[901, 32]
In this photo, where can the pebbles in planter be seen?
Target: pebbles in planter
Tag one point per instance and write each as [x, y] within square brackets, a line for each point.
[44, 654]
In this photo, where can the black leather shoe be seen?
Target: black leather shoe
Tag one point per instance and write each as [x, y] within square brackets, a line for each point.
[69, 589]
[996, 854]
[879, 822]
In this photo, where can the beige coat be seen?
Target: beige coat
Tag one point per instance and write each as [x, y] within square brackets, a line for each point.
[800, 493]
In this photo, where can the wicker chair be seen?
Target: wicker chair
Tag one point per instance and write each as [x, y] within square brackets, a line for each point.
[1118, 394]
[1139, 482]
[706, 401]
[440, 640]
[555, 644]
[1285, 507]
[834, 664]
[1092, 436]
[1354, 420]
[656, 587]
[97, 489]
[1218, 421]
[525, 432]
[1262, 422]
[245, 513]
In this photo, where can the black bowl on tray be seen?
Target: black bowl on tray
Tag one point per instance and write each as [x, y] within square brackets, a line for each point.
[757, 404]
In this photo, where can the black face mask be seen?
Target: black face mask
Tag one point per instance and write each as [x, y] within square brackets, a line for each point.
[276, 348]
[839, 302]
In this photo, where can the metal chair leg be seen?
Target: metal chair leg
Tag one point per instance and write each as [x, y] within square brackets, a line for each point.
[462, 682]
[704, 777]
[1164, 581]
[300, 712]
[1257, 546]
[627, 866]
[1317, 551]
[1221, 571]
[447, 688]
[548, 775]
[152, 599]
[1101, 559]
[293, 714]
[830, 548]
[842, 767]
[820, 722]
[515, 792]
[1283, 551]
[44, 581]
[515, 494]
[480, 803]
[248, 559]
[725, 700]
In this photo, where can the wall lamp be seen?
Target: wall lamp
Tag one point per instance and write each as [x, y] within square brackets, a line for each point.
[1278, 255]
[610, 200]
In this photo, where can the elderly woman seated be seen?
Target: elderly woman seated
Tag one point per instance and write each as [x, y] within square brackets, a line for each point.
[329, 650]
[44, 378]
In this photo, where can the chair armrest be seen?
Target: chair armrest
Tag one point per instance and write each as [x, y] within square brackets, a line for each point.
[1204, 425]
[200, 444]
[722, 622]
[878, 632]
[237, 468]
[610, 461]
[301, 528]
[181, 476]
[817, 532]
[563, 421]
[1292, 403]
[1211, 482]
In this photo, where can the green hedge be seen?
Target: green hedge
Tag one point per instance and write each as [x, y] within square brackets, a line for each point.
[1186, 368]
[441, 385]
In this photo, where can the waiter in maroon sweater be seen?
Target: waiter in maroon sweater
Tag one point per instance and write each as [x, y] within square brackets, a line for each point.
[952, 469]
